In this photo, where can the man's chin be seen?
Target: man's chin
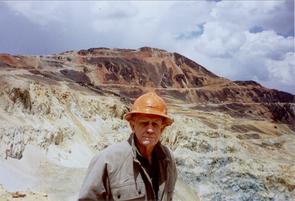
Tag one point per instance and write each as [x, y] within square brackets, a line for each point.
[147, 142]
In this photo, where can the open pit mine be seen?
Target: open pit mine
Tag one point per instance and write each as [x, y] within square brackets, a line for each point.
[232, 140]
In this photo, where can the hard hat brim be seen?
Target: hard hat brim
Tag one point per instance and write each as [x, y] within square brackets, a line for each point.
[168, 120]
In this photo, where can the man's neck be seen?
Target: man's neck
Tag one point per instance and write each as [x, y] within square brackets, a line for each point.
[145, 151]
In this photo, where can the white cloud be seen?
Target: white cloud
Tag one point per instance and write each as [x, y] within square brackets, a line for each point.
[37, 11]
[271, 15]
[267, 44]
[282, 71]
[218, 40]
[230, 50]
[250, 61]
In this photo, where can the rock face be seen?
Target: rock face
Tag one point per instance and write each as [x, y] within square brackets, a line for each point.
[128, 73]
[233, 140]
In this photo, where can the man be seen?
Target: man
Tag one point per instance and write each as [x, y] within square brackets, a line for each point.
[140, 168]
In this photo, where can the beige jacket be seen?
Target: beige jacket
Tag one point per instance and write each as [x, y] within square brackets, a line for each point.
[114, 174]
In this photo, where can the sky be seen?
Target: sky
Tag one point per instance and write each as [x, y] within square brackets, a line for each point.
[238, 40]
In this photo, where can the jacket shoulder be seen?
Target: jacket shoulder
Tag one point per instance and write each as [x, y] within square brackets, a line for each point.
[114, 155]
[122, 149]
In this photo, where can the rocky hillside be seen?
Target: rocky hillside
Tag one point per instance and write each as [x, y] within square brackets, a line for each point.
[233, 140]
[127, 73]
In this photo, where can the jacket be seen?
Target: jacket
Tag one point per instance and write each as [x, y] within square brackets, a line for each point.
[115, 174]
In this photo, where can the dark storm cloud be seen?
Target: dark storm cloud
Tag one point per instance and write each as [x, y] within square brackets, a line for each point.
[21, 36]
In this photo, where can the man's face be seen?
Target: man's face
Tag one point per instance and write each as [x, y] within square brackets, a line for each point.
[147, 128]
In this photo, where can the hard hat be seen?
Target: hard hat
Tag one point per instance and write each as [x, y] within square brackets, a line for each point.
[150, 103]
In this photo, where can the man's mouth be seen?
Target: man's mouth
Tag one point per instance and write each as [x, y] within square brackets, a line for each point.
[147, 139]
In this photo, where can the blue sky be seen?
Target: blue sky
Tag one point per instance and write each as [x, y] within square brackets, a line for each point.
[239, 40]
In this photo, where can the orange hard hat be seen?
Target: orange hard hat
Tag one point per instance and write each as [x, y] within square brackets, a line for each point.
[150, 103]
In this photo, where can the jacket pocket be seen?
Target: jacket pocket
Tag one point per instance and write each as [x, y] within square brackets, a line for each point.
[129, 192]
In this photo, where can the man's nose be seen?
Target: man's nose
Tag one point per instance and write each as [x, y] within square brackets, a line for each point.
[150, 128]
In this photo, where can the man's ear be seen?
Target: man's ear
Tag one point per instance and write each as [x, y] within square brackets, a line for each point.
[132, 123]
[163, 126]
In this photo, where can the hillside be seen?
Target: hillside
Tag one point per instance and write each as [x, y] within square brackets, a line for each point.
[233, 140]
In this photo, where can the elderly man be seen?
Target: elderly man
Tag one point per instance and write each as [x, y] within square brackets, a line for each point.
[140, 168]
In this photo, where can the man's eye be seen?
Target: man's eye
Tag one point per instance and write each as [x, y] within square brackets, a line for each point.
[155, 124]
[144, 123]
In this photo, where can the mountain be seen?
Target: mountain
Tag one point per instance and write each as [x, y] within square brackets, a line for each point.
[233, 140]
[128, 73]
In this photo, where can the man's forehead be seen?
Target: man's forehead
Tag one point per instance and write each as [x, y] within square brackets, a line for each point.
[148, 117]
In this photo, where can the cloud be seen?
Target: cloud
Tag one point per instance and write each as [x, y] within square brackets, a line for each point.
[286, 72]
[218, 40]
[256, 29]
[199, 30]
[267, 44]
[237, 43]
[269, 15]
[38, 11]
